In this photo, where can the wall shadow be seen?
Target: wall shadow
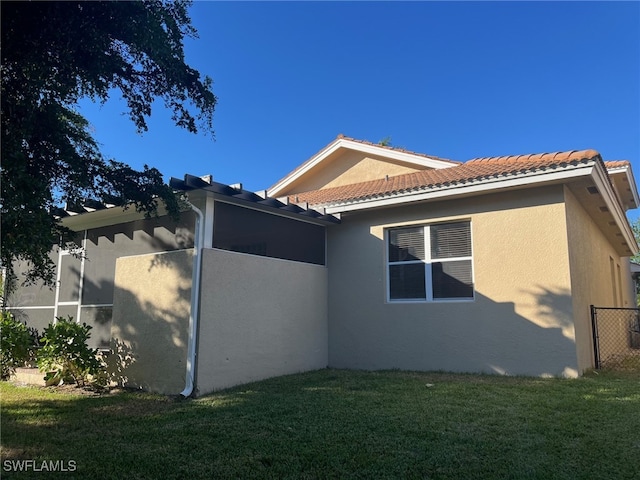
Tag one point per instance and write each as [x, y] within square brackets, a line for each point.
[149, 332]
[104, 246]
[532, 334]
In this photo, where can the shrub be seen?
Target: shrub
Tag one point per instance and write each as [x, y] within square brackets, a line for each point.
[65, 356]
[16, 344]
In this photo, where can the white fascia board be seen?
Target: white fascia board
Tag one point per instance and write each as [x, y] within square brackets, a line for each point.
[463, 189]
[361, 147]
[632, 182]
[611, 200]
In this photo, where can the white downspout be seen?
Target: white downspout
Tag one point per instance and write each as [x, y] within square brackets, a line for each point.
[195, 302]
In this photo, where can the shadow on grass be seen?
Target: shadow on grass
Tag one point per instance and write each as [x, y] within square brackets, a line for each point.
[339, 424]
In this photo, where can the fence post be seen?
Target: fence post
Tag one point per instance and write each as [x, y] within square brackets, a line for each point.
[594, 328]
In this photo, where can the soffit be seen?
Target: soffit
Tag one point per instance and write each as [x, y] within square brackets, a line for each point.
[594, 203]
[623, 181]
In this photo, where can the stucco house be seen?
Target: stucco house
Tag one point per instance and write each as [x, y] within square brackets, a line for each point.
[364, 257]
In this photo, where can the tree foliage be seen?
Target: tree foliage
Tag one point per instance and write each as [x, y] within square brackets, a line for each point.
[54, 54]
[16, 344]
[635, 227]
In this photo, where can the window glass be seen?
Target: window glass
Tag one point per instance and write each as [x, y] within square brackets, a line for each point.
[406, 244]
[407, 281]
[450, 240]
[452, 279]
[443, 270]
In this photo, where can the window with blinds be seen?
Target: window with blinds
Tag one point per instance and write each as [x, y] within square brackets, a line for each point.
[431, 262]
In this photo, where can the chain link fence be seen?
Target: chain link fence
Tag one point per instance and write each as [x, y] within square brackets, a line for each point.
[616, 334]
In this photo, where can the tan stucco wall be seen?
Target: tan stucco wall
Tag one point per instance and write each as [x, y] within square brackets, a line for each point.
[260, 317]
[347, 168]
[520, 321]
[591, 258]
[149, 330]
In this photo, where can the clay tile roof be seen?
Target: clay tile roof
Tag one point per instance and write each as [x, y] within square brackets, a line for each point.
[617, 163]
[473, 171]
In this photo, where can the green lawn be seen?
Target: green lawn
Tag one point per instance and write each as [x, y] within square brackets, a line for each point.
[337, 424]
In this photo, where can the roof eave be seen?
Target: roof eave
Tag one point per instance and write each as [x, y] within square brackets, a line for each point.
[466, 188]
[603, 183]
[593, 169]
[627, 170]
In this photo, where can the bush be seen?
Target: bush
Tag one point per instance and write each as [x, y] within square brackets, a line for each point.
[16, 344]
[65, 356]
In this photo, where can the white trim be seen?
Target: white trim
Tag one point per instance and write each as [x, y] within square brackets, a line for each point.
[405, 157]
[427, 266]
[626, 169]
[57, 294]
[600, 178]
[427, 263]
[42, 307]
[66, 304]
[81, 280]
[404, 301]
[461, 189]
[30, 307]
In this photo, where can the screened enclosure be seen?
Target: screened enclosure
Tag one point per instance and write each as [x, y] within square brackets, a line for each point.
[245, 230]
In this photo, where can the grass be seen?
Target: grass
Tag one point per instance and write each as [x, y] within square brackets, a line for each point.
[338, 424]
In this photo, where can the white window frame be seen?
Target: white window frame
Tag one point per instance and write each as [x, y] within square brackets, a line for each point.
[428, 261]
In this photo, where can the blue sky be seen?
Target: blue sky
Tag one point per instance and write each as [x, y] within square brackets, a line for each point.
[452, 79]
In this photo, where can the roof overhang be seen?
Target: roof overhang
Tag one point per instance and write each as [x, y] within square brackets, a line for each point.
[603, 184]
[458, 189]
[628, 175]
[594, 169]
[345, 143]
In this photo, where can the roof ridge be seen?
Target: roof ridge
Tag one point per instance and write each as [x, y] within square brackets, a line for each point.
[397, 149]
